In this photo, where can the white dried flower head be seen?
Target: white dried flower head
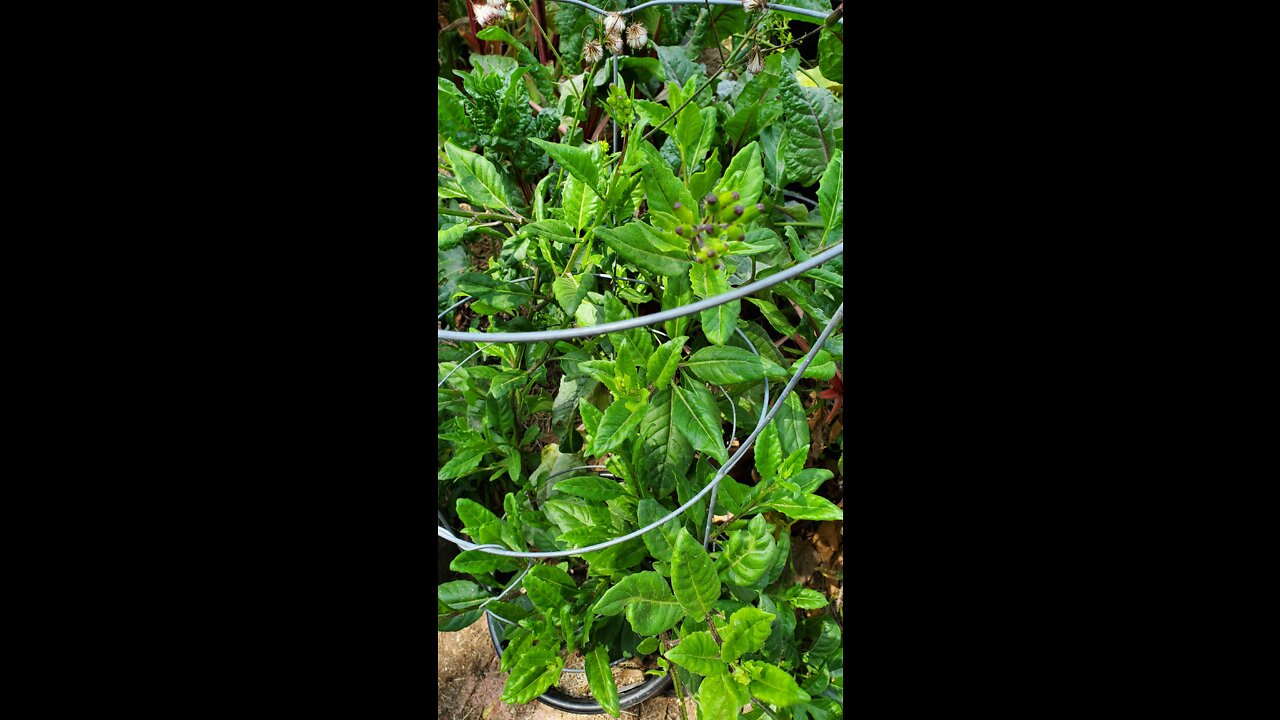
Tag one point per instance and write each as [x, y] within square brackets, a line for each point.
[614, 24]
[613, 41]
[591, 52]
[753, 5]
[487, 15]
[637, 36]
[500, 4]
[756, 62]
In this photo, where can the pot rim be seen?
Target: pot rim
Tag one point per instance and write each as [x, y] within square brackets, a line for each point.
[578, 706]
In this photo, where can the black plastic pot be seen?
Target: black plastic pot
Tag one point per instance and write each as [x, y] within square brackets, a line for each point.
[580, 706]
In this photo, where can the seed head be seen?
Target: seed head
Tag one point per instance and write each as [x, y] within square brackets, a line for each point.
[614, 24]
[756, 62]
[591, 52]
[637, 36]
[487, 15]
[753, 5]
[614, 42]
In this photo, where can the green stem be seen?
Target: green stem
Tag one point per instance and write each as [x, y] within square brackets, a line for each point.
[482, 216]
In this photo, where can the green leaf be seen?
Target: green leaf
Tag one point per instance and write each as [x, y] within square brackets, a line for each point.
[664, 361]
[745, 175]
[553, 230]
[461, 594]
[677, 292]
[591, 487]
[534, 672]
[451, 235]
[717, 322]
[720, 696]
[501, 296]
[677, 65]
[747, 631]
[570, 513]
[663, 454]
[600, 679]
[698, 419]
[705, 138]
[515, 649]
[810, 479]
[688, 131]
[661, 540]
[808, 142]
[804, 598]
[477, 562]
[693, 577]
[661, 187]
[478, 177]
[698, 653]
[768, 453]
[827, 643]
[482, 525]
[630, 242]
[465, 461]
[831, 53]
[647, 646]
[729, 365]
[823, 366]
[747, 554]
[649, 604]
[590, 416]
[773, 685]
[700, 183]
[793, 428]
[618, 422]
[576, 161]
[831, 195]
[804, 506]
[548, 587]
[580, 204]
[584, 536]
[774, 316]
[570, 290]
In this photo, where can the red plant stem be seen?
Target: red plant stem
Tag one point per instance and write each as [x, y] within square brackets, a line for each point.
[539, 15]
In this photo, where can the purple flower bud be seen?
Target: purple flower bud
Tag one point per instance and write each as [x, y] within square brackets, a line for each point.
[760, 207]
[737, 210]
[677, 205]
[711, 199]
[680, 230]
[736, 196]
[711, 253]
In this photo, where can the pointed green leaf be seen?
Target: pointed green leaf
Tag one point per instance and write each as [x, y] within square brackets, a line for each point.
[745, 175]
[810, 479]
[570, 291]
[663, 454]
[729, 365]
[804, 506]
[451, 235]
[804, 598]
[664, 361]
[747, 631]
[698, 653]
[477, 521]
[747, 554]
[823, 366]
[774, 316]
[632, 243]
[576, 161]
[698, 419]
[600, 678]
[591, 487]
[717, 322]
[793, 427]
[693, 577]
[773, 685]
[580, 204]
[661, 187]
[647, 646]
[647, 600]
[548, 587]
[461, 594]
[677, 292]
[477, 562]
[534, 672]
[661, 540]
[478, 177]
[768, 453]
[618, 422]
[553, 230]
[720, 696]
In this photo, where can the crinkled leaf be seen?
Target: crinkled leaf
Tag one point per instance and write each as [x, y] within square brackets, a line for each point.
[748, 553]
[729, 365]
[663, 454]
[632, 244]
[618, 422]
[451, 235]
[661, 540]
[745, 175]
[548, 587]
[804, 598]
[721, 696]
[748, 629]
[479, 178]
[477, 562]
[534, 672]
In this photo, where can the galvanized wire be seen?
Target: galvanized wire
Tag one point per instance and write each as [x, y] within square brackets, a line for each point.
[736, 3]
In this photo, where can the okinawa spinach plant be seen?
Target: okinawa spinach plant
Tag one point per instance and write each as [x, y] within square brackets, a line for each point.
[550, 228]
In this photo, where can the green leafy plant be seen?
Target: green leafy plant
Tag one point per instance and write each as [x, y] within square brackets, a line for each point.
[546, 223]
